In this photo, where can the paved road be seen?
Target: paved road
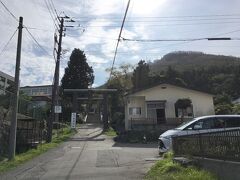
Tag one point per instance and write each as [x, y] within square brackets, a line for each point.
[89, 155]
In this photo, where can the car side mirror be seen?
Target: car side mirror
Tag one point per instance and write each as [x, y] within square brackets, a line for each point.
[189, 128]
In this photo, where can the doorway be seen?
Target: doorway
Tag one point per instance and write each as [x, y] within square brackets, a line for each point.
[160, 116]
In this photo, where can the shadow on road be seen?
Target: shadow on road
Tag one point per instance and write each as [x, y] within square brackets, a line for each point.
[91, 138]
[90, 126]
[136, 145]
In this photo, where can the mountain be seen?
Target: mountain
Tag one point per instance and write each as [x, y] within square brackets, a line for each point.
[188, 60]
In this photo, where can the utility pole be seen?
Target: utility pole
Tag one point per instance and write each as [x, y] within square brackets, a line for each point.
[13, 128]
[55, 90]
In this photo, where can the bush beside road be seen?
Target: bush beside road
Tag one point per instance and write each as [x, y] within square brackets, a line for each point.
[166, 169]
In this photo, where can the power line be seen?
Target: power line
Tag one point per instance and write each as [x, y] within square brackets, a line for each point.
[50, 12]
[165, 20]
[119, 36]
[34, 28]
[160, 17]
[34, 39]
[53, 7]
[161, 40]
[9, 11]
[4, 48]
[170, 40]
[168, 24]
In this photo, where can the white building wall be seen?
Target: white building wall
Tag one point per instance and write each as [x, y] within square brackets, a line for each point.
[134, 102]
[202, 102]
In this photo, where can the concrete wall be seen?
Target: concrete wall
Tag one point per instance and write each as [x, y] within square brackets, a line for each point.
[225, 170]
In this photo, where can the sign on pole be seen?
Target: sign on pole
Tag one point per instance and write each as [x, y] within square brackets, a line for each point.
[73, 120]
[58, 109]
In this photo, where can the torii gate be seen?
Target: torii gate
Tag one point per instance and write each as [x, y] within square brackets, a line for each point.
[104, 92]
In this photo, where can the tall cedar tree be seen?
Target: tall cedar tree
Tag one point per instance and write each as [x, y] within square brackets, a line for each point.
[140, 78]
[78, 74]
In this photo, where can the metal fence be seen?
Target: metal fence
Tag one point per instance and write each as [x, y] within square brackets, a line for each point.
[224, 145]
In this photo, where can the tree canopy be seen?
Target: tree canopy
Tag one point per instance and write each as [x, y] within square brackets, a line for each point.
[78, 74]
[140, 75]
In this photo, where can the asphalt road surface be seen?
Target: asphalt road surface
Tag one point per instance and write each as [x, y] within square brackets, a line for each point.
[89, 155]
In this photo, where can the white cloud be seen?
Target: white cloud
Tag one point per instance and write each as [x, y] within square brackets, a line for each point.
[101, 21]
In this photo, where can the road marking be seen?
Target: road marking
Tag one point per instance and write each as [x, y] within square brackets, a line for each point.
[76, 147]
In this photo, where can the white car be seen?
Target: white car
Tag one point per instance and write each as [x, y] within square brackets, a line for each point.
[199, 125]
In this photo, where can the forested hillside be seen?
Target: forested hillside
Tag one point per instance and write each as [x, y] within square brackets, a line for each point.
[182, 60]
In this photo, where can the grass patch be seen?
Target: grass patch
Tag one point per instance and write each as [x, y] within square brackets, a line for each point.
[110, 132]
[24, 157]
[166, 169]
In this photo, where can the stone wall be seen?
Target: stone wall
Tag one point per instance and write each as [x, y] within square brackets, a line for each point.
[225, 170]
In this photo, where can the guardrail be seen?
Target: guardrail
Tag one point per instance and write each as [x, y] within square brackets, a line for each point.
[224, 145]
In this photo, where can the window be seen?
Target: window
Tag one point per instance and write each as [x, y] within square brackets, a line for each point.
[134, 111]
[219, 123]
[232, 122]
[202, 124]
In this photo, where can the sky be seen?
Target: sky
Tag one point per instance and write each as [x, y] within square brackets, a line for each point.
[96, 29]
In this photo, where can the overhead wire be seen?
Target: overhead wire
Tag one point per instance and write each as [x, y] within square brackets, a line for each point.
[40, 29]
[53, 7]
[9, 11]
[34, 39]
[5, 46]
[162, 25]
[119, 36]
[52, 15]
[166, 20]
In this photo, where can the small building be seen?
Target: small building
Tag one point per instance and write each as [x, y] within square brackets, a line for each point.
[5, 82]
[156, 106]
[41, 95]
[45, 90]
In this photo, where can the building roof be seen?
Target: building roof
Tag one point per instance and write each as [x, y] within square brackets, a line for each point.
[167, 84]
[36, 86]
[6, 76]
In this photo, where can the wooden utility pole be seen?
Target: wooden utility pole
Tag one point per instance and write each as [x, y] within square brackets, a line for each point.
[13, 128]
[55, 90]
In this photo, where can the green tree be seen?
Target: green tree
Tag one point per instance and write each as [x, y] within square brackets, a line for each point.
[120, 80]
[223, 104]
[140, 77]
[236, 109]
[78, 74]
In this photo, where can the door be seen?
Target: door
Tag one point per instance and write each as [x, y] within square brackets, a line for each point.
[161, 116]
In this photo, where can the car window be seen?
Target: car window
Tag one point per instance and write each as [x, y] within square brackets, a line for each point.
[232, 122]
[219, 122]
[202, 124]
